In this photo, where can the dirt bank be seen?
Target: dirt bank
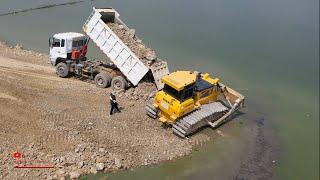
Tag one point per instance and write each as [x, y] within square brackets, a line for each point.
[64, 123]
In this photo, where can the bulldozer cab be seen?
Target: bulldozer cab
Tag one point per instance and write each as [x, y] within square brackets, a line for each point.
[191, 85]
[180, 85]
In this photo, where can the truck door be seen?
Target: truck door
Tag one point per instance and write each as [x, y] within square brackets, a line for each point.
[57, 49]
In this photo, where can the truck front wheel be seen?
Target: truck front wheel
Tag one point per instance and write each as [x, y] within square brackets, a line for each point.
[62, 70]
[102, 80]
[119, 83]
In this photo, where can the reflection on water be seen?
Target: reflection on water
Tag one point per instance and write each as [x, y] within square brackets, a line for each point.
[269, 49]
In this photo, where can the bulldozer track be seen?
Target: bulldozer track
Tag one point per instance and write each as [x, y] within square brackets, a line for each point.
[199, 118]
[151, 111]
[73, 114]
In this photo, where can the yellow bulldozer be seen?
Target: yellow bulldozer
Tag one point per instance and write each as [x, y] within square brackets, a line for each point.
[192, 100]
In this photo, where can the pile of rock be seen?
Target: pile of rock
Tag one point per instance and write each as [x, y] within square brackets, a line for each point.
[141, 92]
[144, 53]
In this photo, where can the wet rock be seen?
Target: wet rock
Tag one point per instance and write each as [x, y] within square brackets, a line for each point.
[74, 175]
[117, 162]
[145, 162]
[132, 33]
[60, 172]
[102, 150]
[62, 159]
[93, 170]
[82, 148]
[79, 154]
[18, 47]
[49, 177]
[58, 160]
[99, 167]
[141, 46]
[81, 164]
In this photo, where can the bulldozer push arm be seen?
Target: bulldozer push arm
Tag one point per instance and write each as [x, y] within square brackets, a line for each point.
[235, 101]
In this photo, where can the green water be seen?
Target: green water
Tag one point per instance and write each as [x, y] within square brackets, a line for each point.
[268, 50]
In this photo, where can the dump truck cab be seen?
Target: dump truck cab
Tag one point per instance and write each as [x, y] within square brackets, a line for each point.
[62, 45]
[183, 92]
[68, 55]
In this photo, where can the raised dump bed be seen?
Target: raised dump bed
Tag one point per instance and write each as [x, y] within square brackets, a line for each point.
[133, 58]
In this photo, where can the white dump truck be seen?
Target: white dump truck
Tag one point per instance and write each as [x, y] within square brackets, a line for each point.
[130, 58]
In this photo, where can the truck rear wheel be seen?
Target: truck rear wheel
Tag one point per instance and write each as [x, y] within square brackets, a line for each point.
[119, 83]
[62, 70]
[102, 80]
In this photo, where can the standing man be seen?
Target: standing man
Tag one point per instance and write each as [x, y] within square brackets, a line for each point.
[113, 103]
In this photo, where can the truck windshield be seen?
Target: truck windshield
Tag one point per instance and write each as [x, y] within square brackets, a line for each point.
[56, 42]
[78, 43]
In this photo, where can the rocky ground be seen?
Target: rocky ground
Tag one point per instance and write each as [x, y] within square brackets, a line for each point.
[64, 123]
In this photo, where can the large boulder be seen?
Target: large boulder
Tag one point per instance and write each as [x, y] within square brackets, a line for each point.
[99, 167]
[151, 55]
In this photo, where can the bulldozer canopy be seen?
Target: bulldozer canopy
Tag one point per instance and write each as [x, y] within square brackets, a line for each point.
[179, 79]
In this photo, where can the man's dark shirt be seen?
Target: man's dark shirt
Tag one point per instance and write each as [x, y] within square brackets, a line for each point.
[113, 99]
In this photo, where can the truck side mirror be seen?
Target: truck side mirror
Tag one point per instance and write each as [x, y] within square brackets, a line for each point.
[50, 42]
[86, 40]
